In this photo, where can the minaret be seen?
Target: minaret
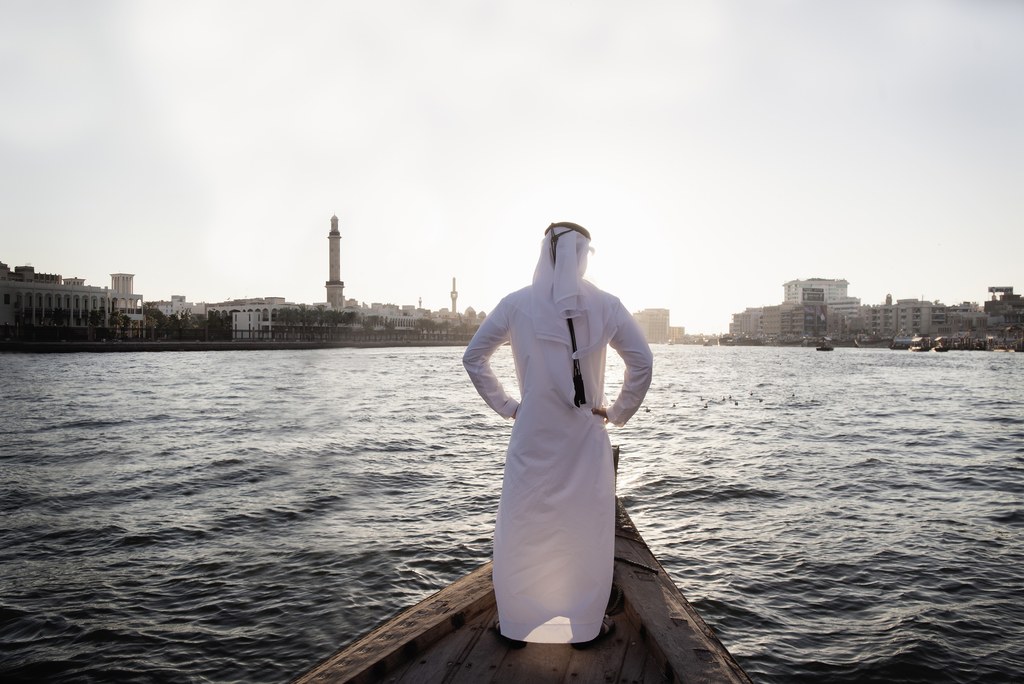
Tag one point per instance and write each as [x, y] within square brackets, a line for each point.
[455, 298]
[335, 287]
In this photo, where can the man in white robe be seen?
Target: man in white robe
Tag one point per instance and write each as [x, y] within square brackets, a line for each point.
[554, 538]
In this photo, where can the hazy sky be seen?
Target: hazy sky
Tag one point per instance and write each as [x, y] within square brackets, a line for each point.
[714, 149]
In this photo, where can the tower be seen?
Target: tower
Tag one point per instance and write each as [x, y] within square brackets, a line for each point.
[455, 298]
[335, 287]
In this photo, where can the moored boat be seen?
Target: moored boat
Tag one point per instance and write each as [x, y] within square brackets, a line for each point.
[872, 342]
[659, 637]
[920, 343]
[901, 342]
[825, 344]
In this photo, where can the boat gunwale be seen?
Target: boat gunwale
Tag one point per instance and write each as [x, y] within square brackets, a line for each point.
[674, 634]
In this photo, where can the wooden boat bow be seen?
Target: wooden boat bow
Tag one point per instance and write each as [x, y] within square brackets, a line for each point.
[447, 637]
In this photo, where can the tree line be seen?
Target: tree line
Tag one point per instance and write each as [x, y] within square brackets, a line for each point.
[301, 323]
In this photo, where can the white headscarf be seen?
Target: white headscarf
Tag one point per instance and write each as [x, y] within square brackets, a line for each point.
[559, 291]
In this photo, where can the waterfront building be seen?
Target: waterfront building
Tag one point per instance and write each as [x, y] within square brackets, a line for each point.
[907, 317]
[249, 315]
[654, 323]
[917, 317]
[1004, 308]
[815, 291]
[176, 305]
[250, 325]
[771, 320]
[840, 308]
[748, 322]
[28, 298]
[335, 286]
[817, 307]
[880, 319]
[966, 319]
[392, 316]
[793, 320]
[843, 316]
[810, 308]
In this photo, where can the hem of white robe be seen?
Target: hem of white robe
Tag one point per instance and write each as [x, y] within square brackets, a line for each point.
[552, 633]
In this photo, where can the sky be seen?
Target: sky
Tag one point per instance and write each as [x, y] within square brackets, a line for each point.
[714, 149]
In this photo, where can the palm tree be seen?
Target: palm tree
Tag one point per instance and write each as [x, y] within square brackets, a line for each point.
[118, 320]
[96, 318]
[154, 318]
[320, 318]
[287, 318]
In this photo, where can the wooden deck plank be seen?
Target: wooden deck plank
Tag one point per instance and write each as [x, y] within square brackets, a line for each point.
[484, 662]
[537, 663]
[603, 661]
[449, 656]
[638, 667]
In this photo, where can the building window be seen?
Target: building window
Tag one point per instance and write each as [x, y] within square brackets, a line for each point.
[7, 298]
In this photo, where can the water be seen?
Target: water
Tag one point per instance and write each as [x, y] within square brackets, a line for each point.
[854, 516]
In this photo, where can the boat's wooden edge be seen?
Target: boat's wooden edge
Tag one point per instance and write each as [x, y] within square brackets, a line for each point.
[413, 631]
[686, 648]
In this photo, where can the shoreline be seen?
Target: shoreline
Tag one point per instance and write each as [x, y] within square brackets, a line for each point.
[34, 347]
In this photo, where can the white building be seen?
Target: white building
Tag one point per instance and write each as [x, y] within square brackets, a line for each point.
[815, 291]
[176, 305]
[250, 325]
[247, 315]
[30, 298]
[828, 291]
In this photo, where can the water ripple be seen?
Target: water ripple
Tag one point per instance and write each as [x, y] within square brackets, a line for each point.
[846, 518]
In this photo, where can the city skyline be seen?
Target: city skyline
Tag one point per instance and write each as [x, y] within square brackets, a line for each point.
[714, 150]
[362, 303]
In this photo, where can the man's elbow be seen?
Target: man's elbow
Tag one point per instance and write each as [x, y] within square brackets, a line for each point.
[647, 363]
[471, 361]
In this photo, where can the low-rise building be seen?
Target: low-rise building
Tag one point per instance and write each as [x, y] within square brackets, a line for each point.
[791, 320]
[748, 322]
[966, 319]
[175, 305]
[28, 298]
[654, 324]
[907, 317]
[1004, 308]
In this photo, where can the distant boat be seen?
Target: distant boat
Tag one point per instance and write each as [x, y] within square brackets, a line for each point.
[871, 342]
[901, 342]
[920, 344]
[825, 345]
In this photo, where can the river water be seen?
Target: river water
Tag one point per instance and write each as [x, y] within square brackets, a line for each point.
[854, 516]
